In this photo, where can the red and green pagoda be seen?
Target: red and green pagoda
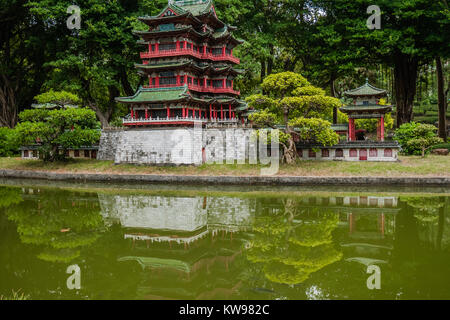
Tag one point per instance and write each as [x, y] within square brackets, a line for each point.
[190, 67]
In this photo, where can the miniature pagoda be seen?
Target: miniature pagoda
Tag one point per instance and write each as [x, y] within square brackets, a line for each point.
[366, 105]
[190, 67]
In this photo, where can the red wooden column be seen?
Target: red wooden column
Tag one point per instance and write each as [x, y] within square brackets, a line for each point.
[178, 45]
[382, 128]
[223, 51]
[229, 107]
[178, 80]
[351, 129]
[146, 113]
[157, 47]
[210, 111]
[224, 81]
[182, 113]
[168, 112]
[221, 111]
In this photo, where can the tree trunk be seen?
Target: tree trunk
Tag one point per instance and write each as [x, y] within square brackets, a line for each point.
[8, 104]
[333, 94]
[270, 60]
[263, 69]
[442, 100]
[405, 76]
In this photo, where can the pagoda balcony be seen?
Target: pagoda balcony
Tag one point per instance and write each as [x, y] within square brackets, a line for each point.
[191, 52]
[197, 88]
[176, 120]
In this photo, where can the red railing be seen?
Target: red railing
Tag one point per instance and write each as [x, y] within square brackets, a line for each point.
[197, 88]
[180, 52]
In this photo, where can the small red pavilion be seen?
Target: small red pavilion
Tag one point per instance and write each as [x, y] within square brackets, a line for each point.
[366, 105]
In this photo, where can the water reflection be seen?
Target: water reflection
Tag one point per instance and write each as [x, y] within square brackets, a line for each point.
[191, 246]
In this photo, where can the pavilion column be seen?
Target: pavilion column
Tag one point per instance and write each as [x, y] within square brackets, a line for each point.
[182, 112]
[221, 111]
[132, 113]
[224, 83]
[146, 113]
[223, 51]
[210, 111]
[382, 128]
[178, 80]
[351, 129]
[229, 107]
[157, 47]
[168, 112]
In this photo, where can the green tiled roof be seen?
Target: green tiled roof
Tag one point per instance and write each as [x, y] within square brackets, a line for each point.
[362, 108]
[145, 95]
[197, 8]
[366, 90]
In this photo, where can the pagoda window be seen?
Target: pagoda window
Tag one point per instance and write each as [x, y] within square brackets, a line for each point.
[365, 103]
[373, 152]
[325, 153]
[311, 153]
[217, 51]
[189, 80]
[189, 46]
[182, 80]
[77, 153]
[167, 46]
[26, 154]
[181, 45]
[218, 83]
[229, 84]
[353, 153]
[153, 47]
[86, 154]
[228, 51]
[339, 153]
[167, 27]
[154, 82]
[388, 153]
[167, 80]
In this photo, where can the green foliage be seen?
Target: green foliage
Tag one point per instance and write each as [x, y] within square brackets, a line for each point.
[65, 128]
[291, 245]
[315, 131]
[416, 138]
[59, 98]
[370, 125]
[291, 101]
[9, 142]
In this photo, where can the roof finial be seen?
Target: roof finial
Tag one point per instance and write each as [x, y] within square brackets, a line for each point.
[367, 80]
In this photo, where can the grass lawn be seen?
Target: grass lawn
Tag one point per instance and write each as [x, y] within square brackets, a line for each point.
[411, 166]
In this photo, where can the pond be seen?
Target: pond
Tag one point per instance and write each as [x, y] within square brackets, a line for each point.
[163, 242]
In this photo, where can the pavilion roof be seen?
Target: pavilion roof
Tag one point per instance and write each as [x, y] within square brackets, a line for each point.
[366, 108]
[152, 95]
[366, 90]
[206, 67]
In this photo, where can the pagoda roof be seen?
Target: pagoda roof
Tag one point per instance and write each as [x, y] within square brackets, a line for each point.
[192, 9]
[147, 95]
[366, 108]
[221, 34]
[366, 90]
[173, 94]
[208, 67]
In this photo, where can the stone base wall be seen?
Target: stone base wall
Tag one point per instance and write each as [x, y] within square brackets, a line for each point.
[172, 146]
[352, 154]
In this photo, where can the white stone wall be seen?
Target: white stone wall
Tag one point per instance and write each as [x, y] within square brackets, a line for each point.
[182, 146]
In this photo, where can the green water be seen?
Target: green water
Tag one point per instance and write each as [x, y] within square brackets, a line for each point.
[158, 242]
